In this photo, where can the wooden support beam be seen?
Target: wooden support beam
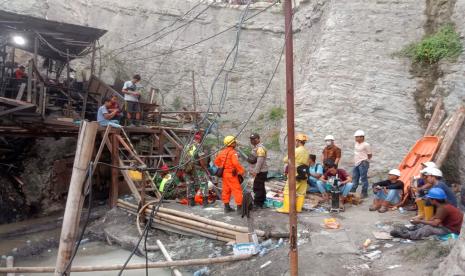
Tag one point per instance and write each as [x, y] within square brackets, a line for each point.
[132, 186]
[84, 149]
[436, 118]
[115, 161]
[15, 109]
[29, 81]
[10, 260]
[450, 136]
[20, 94]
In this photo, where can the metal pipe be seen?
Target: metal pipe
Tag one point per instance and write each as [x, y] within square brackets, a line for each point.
[293, 253]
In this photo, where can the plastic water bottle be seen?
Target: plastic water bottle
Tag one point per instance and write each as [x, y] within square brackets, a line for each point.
[280, 243]
[203, 271]
[401, 210]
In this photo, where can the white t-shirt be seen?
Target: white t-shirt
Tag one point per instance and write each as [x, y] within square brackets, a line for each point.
[361, 151]
[131, 87]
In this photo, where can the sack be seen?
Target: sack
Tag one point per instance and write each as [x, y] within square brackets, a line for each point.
[252, 159]
[219, 172]
[302, 172]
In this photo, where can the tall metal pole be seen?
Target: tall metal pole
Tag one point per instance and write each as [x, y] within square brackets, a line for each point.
[293, 254]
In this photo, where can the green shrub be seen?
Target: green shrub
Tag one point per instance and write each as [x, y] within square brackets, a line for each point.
[177, 103]
[273, 142]
[443, 44]
[276, 113]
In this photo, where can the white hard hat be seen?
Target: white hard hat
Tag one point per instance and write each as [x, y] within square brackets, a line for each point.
[359, 133]
[329, 137]
[432, 171]
[429, 164]
[395, 172]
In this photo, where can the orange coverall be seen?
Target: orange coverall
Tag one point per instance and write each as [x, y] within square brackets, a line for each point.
[232, 168]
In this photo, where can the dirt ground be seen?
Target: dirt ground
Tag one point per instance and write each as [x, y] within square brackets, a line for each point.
[321, 251]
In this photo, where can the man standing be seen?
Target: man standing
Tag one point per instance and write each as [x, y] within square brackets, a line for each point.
[232, 171]
[447, 219]
[105, 117]
[331, 151]
[131, 98]
[196, 157]
[362, 157]
[388, 192]
[301, 160]
[258, 170]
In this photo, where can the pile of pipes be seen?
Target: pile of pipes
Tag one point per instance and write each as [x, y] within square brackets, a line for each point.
[181, 222]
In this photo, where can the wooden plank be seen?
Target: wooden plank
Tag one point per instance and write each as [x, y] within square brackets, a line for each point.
[114, 193]
[15, 109]
[22, 87]
[85, 147]
[41, 98]
[171, 139]
[14, 102]
[29, 82]
[450, 136]
[436, 118]
[176, 271]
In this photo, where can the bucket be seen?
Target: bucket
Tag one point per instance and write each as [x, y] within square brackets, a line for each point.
[135, 175]
[429, 212]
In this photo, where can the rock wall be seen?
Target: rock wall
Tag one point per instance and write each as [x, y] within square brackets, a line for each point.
[347, 76]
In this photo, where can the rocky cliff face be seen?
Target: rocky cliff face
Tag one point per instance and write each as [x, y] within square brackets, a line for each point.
[347, 77]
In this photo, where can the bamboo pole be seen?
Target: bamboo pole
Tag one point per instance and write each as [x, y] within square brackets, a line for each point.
[192, 262]
[194, 217]
[163, 250]
[85, 147]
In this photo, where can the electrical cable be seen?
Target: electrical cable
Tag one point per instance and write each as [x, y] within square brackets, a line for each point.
[205, 39]
[164, 34]
[162, 29]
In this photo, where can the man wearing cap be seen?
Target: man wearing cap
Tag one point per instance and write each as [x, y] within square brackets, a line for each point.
[196, 156]
[331, 151]
[362, 157]
[232, 171]
[388, 192]
[447, 219]
[258, 170]
[301, 160]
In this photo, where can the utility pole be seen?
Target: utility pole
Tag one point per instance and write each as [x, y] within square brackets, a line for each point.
[293, 254]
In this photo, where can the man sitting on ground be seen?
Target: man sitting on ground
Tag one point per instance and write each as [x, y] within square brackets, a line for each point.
[315, 171]
[344, 180]
[388, 192]
[447, 219]
[434, 178]
[105, 117]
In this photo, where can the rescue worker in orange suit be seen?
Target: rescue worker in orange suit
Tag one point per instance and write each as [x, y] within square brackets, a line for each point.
[232, 172]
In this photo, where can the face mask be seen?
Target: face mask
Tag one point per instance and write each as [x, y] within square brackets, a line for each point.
[329, 143]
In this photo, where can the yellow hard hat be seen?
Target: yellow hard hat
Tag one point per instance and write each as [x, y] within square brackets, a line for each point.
[228, 140]
[302, 137]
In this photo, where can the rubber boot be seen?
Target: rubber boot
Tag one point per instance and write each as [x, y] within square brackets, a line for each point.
[285, 208]
[227, 208]
[204, 201]
[239, 209]
[421, 208]
[191, 202]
